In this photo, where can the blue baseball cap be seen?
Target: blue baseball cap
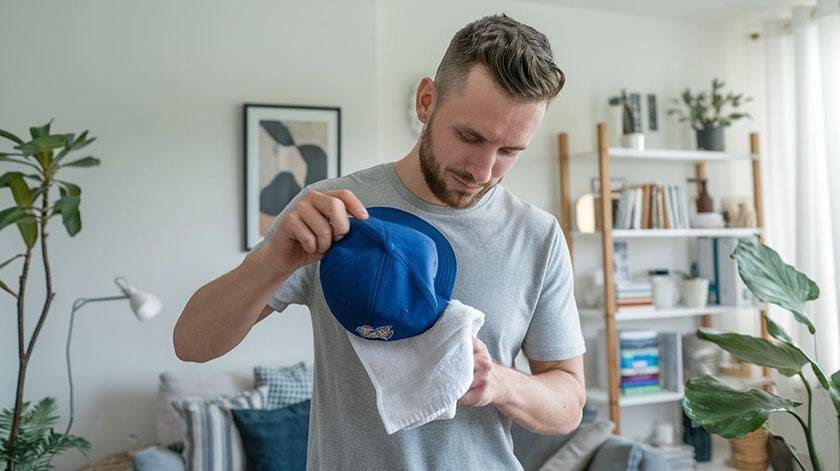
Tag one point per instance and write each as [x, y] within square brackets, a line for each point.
[390, 277]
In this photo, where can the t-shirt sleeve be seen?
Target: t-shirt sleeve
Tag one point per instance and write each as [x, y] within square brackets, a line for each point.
[296, 289]
[554, 332]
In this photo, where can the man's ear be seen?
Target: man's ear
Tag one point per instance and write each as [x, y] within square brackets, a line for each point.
[425, 99]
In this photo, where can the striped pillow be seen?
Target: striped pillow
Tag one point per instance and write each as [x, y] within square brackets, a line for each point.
[212, 442]
[287, 384]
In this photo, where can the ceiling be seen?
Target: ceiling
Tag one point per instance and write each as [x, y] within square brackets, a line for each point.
[680, 9]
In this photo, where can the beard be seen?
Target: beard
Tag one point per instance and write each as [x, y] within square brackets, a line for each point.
[435, 176]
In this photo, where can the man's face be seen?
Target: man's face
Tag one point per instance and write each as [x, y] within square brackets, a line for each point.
[473, 139]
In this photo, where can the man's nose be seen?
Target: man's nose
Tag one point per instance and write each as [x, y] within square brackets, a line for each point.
[481, 167]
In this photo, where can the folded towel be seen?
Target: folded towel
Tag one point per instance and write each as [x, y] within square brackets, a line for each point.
[421, 378]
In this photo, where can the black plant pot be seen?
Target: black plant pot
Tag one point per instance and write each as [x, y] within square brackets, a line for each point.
[710, 139]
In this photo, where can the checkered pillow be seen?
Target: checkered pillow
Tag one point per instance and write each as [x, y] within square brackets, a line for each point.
[286, 385]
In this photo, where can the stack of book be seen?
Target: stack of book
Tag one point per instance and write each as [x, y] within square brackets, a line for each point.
[651, 206]
[633, 293]
[639, 361]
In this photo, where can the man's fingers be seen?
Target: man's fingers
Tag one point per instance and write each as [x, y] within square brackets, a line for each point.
[318, 224]
[351, 203]
[302, 234]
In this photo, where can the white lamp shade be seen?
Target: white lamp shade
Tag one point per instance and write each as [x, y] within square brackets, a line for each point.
[145, 305]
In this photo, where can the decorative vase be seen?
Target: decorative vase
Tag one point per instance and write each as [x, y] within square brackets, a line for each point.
[710, 139]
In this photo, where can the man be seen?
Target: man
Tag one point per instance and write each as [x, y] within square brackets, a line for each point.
[486, 102]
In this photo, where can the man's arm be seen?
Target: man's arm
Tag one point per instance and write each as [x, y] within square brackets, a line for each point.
[221, 313]
[549, 401]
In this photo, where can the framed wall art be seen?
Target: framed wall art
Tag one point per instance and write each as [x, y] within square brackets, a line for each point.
[286, 148]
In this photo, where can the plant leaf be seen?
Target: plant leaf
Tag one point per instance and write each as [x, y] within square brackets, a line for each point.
[10, 215]
[729, 412]
[68, 206]
[777, 332]
[20, 190]
[83, 162]
[11, 137]
[67, 188]
[39, 131]
[771, 280]
[10, 260]
[784, 358]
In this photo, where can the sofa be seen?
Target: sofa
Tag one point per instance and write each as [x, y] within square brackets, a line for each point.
[614, 454]
[532, 450]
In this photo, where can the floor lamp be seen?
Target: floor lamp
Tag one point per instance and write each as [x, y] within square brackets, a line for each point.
[145, 306]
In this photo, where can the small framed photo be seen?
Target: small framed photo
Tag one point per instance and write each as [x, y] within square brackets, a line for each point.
[286, 148]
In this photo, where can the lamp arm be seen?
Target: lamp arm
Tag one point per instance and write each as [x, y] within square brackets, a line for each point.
[77, 304]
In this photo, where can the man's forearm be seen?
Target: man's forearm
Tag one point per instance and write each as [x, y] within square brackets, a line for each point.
[549, 403]
[221, 313]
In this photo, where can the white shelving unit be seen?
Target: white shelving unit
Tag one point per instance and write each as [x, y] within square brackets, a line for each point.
[665, 155]
[651, 313]
[657, 233]
[600, 396]
[608, 392]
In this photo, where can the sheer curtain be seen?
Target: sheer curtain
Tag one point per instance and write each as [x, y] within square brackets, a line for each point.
[802, 173]
[802, 162]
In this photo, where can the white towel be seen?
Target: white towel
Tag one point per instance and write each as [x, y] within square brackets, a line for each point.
[421, 378]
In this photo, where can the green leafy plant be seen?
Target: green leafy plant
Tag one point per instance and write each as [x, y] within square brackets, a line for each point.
[37, 442]
[46, 154]
[706, 110]
[732, 413]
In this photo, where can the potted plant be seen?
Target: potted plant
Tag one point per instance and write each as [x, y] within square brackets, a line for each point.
[707, 114]
[733, 413]
[27, 438]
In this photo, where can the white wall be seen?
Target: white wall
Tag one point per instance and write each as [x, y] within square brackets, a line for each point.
[162, 85]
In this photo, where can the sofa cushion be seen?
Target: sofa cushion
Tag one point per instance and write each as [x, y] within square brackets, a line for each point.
[179, 385]
[157, 458]
[533, 449]
[287, 384]
[212, 442]
[274, 439]
[577, 452]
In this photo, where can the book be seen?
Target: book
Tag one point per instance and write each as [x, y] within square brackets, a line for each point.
[666, 210]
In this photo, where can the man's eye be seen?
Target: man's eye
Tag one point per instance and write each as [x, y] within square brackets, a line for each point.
[466, 138]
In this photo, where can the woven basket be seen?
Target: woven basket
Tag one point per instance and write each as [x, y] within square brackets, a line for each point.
[115, 462]
[750, 452]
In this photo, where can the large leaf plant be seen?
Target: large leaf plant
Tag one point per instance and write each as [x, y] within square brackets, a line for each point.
[27, 440]
[733, 413]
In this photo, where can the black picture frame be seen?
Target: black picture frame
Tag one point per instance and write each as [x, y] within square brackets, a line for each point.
[285, 148]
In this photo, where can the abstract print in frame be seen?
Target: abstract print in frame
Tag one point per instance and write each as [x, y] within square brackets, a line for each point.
[286, 148]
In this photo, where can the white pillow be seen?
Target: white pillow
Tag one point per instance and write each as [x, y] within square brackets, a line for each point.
[179, 385]
[576, 453]
[212, 441]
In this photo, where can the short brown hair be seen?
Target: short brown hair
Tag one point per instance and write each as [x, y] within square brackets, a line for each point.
[515, 54]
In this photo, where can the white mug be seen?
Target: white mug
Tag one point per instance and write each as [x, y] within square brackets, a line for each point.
[695, 292]
[663, 433]
[666, 293]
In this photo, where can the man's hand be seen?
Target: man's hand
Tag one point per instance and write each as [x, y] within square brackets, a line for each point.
[310, 228]
[486, 387]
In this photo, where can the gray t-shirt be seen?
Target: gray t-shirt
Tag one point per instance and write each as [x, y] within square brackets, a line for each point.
[513, 265]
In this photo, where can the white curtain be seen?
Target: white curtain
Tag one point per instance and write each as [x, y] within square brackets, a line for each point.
[802, 162]
[801, 166]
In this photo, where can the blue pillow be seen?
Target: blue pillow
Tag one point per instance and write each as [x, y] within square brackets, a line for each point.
[157, 459]
[274, 439]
